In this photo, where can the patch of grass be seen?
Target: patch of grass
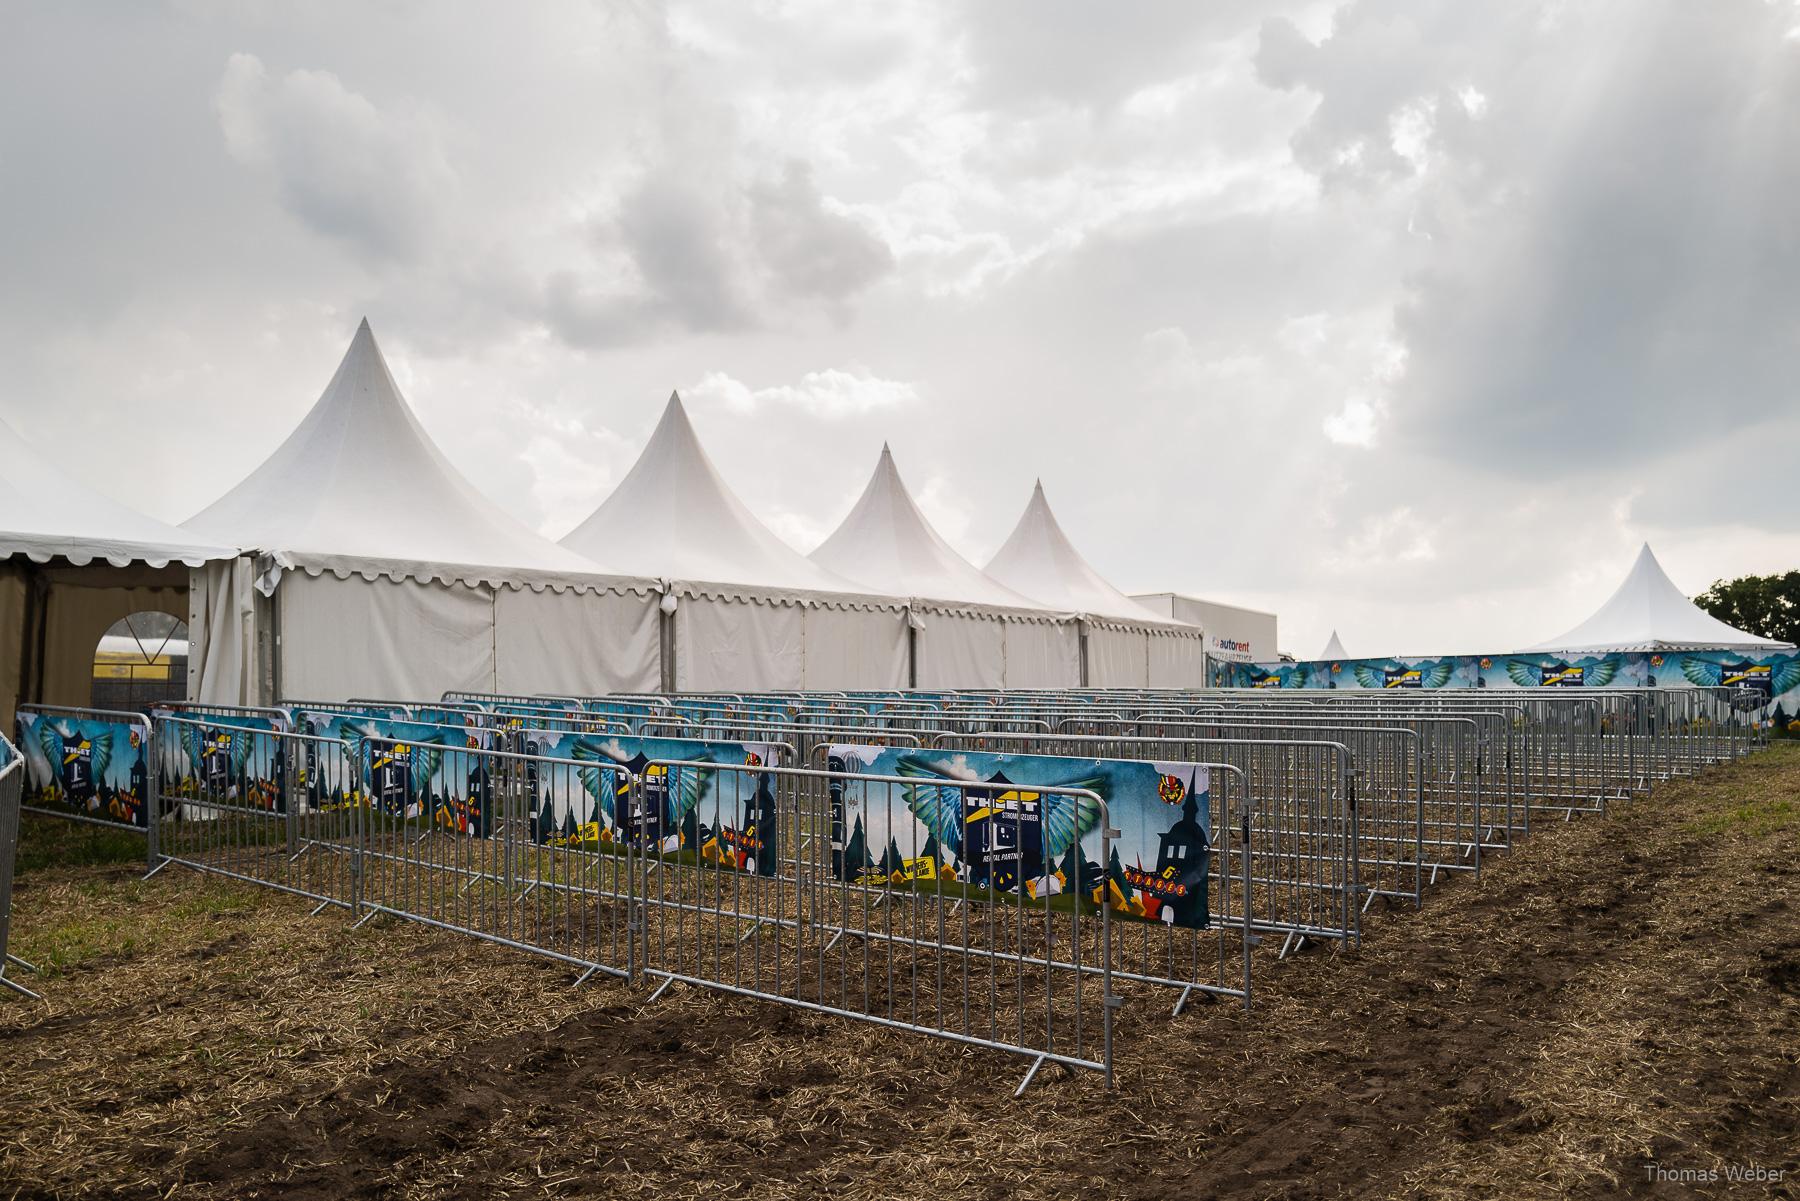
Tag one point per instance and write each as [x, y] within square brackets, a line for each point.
[55, 842]
[215, 901]
[1758, 818]
[78, 940]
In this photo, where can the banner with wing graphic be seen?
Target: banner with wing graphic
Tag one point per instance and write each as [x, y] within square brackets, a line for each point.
[975, 820]
[95, 766]
[690, 800]
[1773, 678]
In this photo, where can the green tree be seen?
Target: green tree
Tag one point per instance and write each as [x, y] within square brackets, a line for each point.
[1768, 605]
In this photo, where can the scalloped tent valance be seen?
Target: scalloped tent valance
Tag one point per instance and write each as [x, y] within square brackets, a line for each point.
[45, 514]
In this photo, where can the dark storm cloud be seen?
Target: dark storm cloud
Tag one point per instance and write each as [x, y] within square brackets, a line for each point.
[1612, 238]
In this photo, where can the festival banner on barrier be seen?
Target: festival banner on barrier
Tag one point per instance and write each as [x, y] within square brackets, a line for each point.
[1773, 679]
[978, 819]
[408, 769]
[234, 757]
[95, 766]
[720, 816]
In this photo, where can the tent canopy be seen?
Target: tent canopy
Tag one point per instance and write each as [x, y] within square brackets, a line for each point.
[1649, 613]
[886, 545]
[359, 486]
[46, 513]
[1334, 650]
[674, 517]
[1039, 561]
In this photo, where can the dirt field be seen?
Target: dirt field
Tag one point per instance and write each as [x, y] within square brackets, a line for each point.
[1618, 992]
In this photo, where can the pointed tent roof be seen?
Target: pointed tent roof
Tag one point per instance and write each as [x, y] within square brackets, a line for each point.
[359, 486]
[674, 517]
[1039, 560]
[45, 512]
[1334, 650]
[887, 545]
[1649, 613]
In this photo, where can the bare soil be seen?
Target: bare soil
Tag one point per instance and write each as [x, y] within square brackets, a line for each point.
[1617, 993]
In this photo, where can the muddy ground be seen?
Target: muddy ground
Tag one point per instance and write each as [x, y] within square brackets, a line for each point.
[1617, 993]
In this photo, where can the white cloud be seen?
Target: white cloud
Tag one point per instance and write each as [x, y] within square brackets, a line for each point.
[347, 169]
[1168, 260]
[832, 394]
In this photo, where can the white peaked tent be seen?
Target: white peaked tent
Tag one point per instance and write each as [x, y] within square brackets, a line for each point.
[1649, 613]
[969, 630]
[1038, 560]
[746, 611]
[359, 486]
[383, 571]
[73, 562]
[1334, 650]
[1128, 645]
[673, 516]
[887, 545]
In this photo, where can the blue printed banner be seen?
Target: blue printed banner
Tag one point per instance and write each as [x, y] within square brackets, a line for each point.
[1772, 679]
[92, 764]
[689, 801]
[980, 819]
[407, 769]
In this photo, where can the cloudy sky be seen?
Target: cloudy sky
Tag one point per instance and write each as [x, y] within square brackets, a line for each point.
[1411, 318]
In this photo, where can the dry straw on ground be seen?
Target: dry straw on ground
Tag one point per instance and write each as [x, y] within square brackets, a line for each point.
[1616, 993]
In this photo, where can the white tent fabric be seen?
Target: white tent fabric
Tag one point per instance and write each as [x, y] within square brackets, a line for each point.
[1039, 561]
[1649, 613]
[360, 488]
[674, 517]
[1334, 650]
[887, 545]
[406, 580]
[46, 513]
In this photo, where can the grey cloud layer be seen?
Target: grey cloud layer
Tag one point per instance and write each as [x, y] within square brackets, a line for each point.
[1404, 318]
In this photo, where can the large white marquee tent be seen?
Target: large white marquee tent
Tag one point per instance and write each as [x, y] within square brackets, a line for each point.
[1649, 613]
[379, 570]
[744, 610]
[357, 561]
[968, 630]
[1126, 644]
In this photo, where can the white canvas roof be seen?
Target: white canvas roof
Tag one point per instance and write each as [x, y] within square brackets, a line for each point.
[674, 517]
[886, 545]
[1039, 561]
[1334, 650]
[45, 512]
[360, 487]
[1649, 613]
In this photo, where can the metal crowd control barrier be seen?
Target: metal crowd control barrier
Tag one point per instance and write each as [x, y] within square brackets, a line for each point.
[1307, 857]
[283, 811]
[99, 764]
[12, 780]
[598, 866]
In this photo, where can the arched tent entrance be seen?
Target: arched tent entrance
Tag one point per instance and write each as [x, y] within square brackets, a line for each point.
[141, 661]
[73, 562]
[62, 610]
